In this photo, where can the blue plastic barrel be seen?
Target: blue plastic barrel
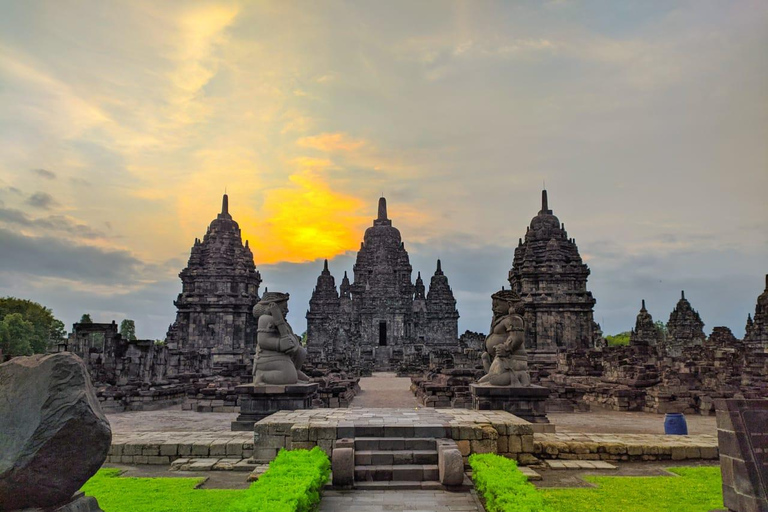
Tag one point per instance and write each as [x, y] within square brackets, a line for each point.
[674, 424]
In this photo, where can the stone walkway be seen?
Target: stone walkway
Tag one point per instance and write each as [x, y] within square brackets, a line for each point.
[401, 501]
[385, 389]
[603, 421]
[615, 447]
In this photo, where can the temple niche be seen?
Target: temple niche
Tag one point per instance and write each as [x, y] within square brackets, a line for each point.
[381, 320]
[220, 287]
[549, 275]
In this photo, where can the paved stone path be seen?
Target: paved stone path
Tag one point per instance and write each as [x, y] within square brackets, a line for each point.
[400, 501]
[603, 421]
[385, 389]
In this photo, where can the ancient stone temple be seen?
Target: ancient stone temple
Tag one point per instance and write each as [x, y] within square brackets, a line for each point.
[220, 286]
[684, 328]
[645, 333]
[757, 326]
[382, 319]
[549, 275]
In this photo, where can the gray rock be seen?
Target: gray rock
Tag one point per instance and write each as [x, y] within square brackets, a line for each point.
[54, 435]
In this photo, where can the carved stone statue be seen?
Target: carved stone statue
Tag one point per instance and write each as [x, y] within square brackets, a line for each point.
[279, 354]
[505, 360]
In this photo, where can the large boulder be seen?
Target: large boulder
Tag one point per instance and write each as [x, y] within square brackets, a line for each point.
[53, 435]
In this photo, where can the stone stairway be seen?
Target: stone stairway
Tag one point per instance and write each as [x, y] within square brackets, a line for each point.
[398, 462]
[395, 459]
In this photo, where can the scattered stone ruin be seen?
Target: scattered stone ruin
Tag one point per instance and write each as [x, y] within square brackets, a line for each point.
[382, 320]
[684, 372]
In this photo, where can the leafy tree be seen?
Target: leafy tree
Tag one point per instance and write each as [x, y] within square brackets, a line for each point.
[86, 319]
[662, 328]
[128, 329]
[617, 340]
[47, 329]
[16, 335]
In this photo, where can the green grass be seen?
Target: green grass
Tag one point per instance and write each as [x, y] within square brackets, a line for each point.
[698, 490]
[130, 494]
[291, 484]
[503, 487]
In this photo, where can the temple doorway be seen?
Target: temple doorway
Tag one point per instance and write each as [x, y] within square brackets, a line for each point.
[382, 334]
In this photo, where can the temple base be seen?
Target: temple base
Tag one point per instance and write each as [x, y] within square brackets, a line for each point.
[259, 401]
[528, 403]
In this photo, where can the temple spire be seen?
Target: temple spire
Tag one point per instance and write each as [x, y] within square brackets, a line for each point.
[439, 270]
[325, 266]
[382, 208]
[225, 205]
[544, 202]
[643, 307]
[682, 294]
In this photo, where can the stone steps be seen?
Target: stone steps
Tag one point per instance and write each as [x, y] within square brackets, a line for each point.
[395, 443]
[395, 457]
[396, 473]
[420, 462]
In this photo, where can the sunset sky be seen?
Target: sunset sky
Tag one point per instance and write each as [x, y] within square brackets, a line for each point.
[122, 123]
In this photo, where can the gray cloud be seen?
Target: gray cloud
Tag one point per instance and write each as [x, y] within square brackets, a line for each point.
[42, 200]
[58, 258]
[45, 173]
[57, 223]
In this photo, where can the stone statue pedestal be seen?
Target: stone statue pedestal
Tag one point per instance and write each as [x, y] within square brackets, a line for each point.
[528, 403]
[257, 401]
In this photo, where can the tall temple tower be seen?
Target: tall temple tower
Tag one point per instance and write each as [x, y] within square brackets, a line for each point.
[220, 286]
[684, 328]
[381, 317]
[548, 274]
[757, 326]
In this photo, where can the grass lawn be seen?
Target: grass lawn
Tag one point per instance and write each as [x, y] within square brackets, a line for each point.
[698, 490]
[130, 494]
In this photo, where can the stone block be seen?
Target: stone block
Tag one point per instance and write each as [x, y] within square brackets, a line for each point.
[300, 433]
[169, 449]
[450, 467]
[200, 450]
[234, 448]
[464, 447]
[343, 467]
[218, 448]
[483, 445]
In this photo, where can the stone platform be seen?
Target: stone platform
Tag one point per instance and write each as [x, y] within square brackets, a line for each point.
[259, 401]
[625, 447]
[528, 403]
[473, 431]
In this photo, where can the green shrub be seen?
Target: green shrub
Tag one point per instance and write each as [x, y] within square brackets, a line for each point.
[503, 486]
[291, 484]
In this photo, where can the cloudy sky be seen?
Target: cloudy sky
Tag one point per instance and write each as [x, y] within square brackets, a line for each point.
[121, 124]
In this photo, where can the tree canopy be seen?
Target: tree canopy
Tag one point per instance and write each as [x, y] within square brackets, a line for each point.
[27, 327]
[85, 319]
[128, 329]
